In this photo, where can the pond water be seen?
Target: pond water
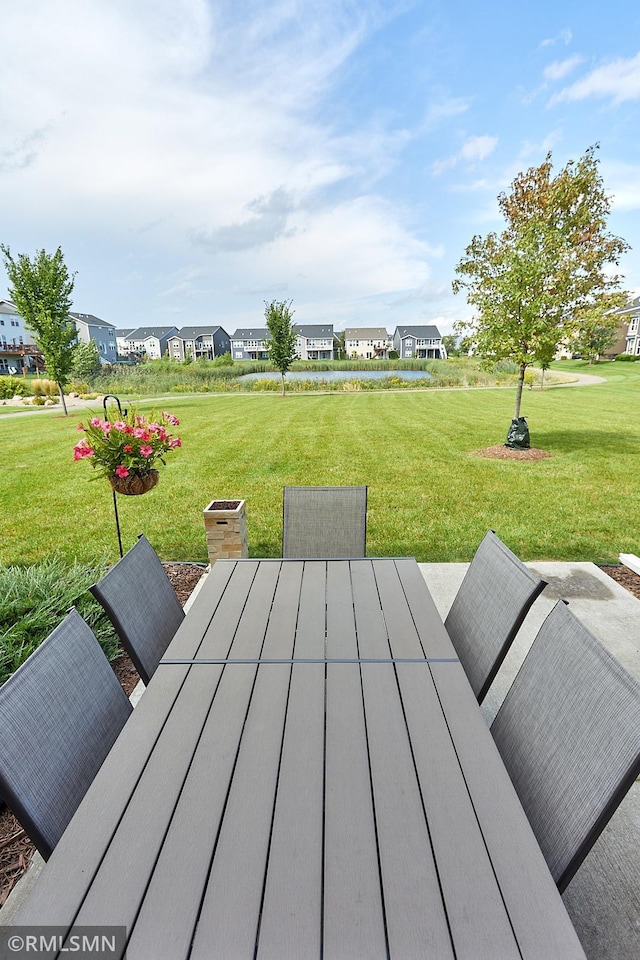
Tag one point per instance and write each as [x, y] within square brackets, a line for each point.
[330, 375]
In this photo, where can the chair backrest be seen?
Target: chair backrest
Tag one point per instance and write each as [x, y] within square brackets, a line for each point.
[487, 612]
[60, 714]
[141, 604]
[569, 735]
[326, 522]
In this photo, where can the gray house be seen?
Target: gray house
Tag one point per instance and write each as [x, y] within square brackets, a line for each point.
[418, 343]
[103, 334]
[198, 343]
[248, 344]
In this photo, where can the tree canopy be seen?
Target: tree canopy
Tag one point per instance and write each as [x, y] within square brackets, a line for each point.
[282, 345]
[531, 283]
[41, 290]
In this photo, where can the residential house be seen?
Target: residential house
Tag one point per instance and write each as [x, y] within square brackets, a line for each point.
[18, 352]
[419, 343]
[315, 341]
[249, 344]
[631, 316]
[122, 335]
[149, 342]
[198, 343]
[368, 342]
[103, 334]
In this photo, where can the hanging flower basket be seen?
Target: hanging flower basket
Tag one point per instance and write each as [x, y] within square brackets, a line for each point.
[126, 447]
[135, 484]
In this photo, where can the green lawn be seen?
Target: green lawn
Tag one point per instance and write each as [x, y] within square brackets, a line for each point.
[429, 496]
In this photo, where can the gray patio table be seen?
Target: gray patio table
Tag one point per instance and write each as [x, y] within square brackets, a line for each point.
[308, 775]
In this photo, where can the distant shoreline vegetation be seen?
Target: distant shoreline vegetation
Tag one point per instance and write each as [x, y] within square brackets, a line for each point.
[161, 377]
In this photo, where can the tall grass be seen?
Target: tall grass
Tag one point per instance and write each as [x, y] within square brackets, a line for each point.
[34, 599]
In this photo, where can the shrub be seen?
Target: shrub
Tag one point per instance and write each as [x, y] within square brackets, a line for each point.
[38, 401]
[35, 599]
[47, 388]
[12, 387]
[627, 357]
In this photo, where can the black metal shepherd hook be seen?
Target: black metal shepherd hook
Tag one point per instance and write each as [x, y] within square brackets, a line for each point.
[123, 413]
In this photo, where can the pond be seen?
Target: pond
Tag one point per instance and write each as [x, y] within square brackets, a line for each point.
[330, 375]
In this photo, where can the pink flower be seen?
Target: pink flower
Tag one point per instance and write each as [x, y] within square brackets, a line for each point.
[82, 449]
[106, 428]
[80, 426]
[128, 429]
[140, 434]
[169, 417]
[122, 471]
[95, 422]
[119, 425]
[176, 442]
[146, 450]
[128, 448]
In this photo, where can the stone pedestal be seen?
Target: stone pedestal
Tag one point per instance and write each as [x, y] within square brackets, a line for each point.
[225, 524]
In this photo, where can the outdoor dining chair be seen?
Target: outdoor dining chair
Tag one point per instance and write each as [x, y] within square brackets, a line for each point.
[494, 598]
[138, 598]
[329, 522]
[60, 714]
[568, 732]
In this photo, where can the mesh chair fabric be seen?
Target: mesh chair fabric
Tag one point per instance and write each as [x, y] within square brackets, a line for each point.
[569, 734]
[142, 605]
[328, 522]
[488, 610]
[60, 714]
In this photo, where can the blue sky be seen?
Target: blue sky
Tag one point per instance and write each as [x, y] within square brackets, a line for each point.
[194, 158]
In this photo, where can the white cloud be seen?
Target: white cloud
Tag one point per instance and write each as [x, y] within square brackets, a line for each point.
[478, 148]
[623, 183]
[565, 36]
[618, 80]
[473, 150]
[560, 69]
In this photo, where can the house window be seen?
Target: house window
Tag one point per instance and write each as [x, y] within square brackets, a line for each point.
[633, 326]
[238, 354]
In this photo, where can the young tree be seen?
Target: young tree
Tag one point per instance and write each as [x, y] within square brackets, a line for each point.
[529, 283]
[282, 346]
[41, 290]
[450, 343]
[598, 326]
[86, 360]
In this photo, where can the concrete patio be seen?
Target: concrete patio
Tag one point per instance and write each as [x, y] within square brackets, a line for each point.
[603, 899]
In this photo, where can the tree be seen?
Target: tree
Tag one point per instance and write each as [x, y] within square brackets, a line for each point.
[282, 345]
[450, 343]
[598, 326]
[530, 283]
[41, 290]
[86, 360]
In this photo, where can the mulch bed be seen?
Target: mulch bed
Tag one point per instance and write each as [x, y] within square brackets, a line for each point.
[16, 850]
[500, 452]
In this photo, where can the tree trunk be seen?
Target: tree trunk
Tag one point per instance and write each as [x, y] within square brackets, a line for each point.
[64, 402]
[283, 390]
[523, 369]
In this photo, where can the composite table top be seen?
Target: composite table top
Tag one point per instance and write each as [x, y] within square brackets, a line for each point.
[308, 775]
